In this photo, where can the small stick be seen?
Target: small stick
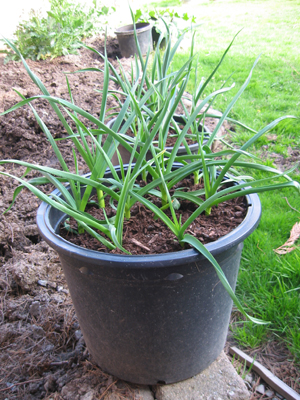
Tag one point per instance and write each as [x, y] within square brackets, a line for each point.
[20, 383]
[272, 380]
[107, 389]
[12, 233]
[291, 206]
[58, 363]
[140, 244]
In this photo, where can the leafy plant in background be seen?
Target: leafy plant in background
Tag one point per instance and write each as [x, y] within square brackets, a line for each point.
[60, 33]
[160, 172]
[170, 16]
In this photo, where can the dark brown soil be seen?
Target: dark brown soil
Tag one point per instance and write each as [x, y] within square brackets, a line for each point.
[43, 354]
[145, 235]
[21, 137]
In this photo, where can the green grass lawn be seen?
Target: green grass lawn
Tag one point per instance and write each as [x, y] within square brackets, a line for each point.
[269, 29]
[268, 284]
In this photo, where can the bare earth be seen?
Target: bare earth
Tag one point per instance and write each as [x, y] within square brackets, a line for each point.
[43, 352]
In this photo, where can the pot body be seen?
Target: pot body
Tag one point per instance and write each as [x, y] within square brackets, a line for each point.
[125, 154]
[125, 36]
[151, 319]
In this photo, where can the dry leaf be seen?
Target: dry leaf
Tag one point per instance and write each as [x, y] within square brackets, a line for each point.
[271, 137]
[287, 247]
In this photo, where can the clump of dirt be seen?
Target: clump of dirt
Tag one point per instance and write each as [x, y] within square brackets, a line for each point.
[43, 352]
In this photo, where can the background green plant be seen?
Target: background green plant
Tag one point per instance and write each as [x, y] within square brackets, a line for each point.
[60, 33]
[171, 17]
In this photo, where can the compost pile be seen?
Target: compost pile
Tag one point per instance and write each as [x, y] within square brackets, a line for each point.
[43, 352]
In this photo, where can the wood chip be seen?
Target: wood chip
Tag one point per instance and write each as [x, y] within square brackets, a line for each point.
[153, 239]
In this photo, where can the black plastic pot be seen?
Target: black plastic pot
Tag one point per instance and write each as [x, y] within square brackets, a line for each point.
[151, 319]
[125, 154]
[125, 36]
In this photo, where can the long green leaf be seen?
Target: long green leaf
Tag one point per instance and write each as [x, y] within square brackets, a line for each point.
[215, 70]
[80, 217]
[196, 244]
[252, 140]
[231, 104]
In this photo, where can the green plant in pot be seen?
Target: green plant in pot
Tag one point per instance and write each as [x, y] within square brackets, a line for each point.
[153, 315]
[155, 80]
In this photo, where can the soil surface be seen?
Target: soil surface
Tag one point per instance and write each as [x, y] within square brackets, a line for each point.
[145, 235]
[43, 352]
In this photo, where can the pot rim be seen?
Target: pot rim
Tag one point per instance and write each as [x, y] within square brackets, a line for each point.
[129, 29]
[233, 238]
